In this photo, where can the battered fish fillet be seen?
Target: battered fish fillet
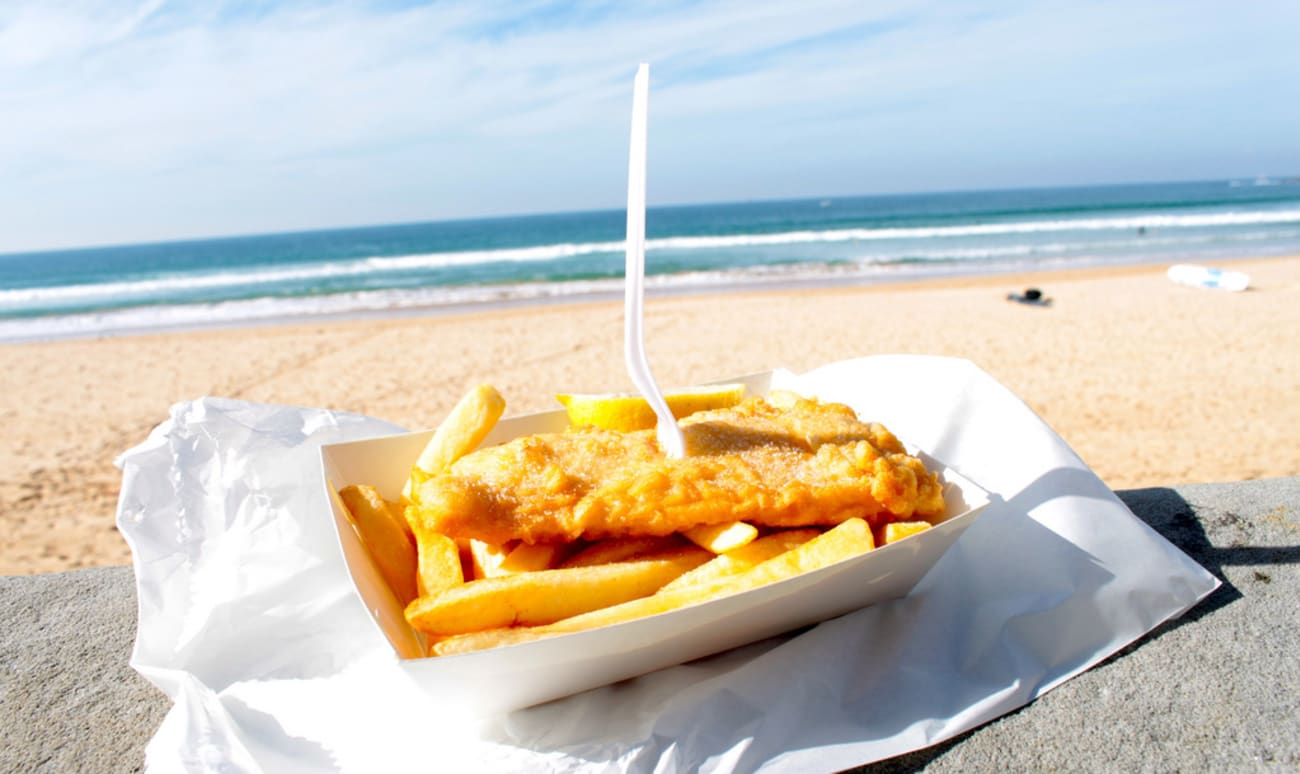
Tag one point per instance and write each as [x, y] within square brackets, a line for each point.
[803, 464]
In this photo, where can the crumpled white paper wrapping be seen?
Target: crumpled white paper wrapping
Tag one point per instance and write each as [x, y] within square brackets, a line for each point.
[248, 620]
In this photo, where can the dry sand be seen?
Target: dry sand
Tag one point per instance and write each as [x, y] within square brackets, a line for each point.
[1152, 383]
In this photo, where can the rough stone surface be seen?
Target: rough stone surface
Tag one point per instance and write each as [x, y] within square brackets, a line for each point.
[1217, 690]
[68, 699]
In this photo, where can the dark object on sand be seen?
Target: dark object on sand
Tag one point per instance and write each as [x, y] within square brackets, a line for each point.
[1031, 296]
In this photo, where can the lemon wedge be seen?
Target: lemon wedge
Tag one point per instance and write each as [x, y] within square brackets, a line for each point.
[627, 412]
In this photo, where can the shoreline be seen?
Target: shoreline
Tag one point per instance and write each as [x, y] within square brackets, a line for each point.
[398, 306]
[1151, 383]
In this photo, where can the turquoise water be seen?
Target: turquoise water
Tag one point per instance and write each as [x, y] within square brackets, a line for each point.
[706, 248]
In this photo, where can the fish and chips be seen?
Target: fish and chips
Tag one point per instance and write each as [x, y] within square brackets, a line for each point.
[559, 532]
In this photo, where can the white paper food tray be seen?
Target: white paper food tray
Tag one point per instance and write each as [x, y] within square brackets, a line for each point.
[541, 670]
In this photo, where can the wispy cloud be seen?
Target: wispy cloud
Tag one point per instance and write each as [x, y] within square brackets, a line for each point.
[150, 120]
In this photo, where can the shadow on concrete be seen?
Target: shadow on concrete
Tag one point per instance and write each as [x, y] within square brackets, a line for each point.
[1165, 511]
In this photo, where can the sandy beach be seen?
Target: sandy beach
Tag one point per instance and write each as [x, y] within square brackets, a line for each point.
[1152, 383]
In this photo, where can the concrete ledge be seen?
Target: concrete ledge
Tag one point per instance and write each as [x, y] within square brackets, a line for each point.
[1217, 690]
[68, 699]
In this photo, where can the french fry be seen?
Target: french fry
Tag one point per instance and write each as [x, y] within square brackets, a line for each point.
[460, 433]
[897, 530]
[487, 558]
[721, 538]
[484, 640]
[744, 558]
[535, 598]
[848, 538]
[386, 536]
[439, 564]
[619, 549]
[527, 557]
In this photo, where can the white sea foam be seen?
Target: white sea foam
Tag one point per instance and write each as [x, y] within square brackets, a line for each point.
[172, 317]
[387, 302]
[984, 229]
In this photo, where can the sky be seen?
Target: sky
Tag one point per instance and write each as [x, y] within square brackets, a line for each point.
[125, 122]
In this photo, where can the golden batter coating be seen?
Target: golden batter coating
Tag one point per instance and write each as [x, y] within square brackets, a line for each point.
[797, 465]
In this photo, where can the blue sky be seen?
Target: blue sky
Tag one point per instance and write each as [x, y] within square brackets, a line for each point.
[125, 122]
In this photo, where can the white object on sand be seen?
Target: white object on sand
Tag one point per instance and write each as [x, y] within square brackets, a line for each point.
[1208, 277]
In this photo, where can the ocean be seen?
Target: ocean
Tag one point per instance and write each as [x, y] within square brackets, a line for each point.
[468, 264]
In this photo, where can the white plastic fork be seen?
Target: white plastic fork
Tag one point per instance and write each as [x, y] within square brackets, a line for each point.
[638, 366]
